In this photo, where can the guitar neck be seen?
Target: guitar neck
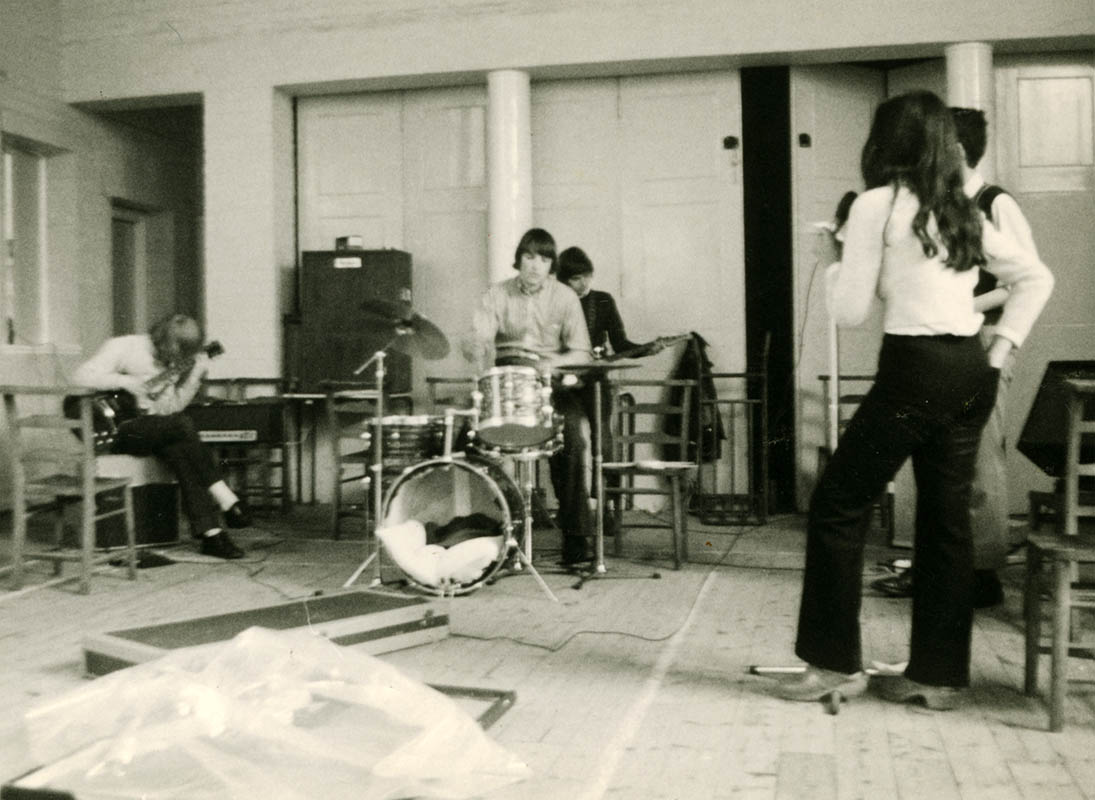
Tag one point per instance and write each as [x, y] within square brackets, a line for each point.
[658, 344]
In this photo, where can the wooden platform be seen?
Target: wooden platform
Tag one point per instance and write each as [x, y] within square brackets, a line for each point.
[635, 685]
[376, 621]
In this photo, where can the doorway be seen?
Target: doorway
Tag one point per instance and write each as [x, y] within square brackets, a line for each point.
[128, 271]
[769, 265]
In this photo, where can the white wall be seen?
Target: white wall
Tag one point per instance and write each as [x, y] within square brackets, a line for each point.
[243, 56]
[131, 49]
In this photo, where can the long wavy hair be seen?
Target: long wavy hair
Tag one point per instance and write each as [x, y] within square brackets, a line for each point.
[913, 144]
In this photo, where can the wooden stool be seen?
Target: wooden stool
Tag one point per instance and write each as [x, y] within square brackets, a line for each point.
[1060, 552]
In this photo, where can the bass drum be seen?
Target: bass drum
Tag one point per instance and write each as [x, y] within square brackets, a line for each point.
[446, 522]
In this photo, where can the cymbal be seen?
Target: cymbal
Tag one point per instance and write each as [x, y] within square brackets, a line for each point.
[387, 309]
[418, 336]
[410, 332]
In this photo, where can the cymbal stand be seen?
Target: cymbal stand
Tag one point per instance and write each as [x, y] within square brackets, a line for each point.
[598, 481]
[372, 543]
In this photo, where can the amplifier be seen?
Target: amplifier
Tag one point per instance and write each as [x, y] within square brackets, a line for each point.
[1045, 433]
[259, 420]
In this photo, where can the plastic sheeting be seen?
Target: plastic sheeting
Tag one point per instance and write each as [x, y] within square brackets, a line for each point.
[282, 715]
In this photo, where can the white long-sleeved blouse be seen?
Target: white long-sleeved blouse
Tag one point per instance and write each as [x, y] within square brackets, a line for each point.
[922, 296]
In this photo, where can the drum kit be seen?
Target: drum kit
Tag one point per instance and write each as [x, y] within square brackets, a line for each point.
[450, 518]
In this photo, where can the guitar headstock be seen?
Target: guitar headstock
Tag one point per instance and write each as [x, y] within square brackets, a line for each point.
[663, 342]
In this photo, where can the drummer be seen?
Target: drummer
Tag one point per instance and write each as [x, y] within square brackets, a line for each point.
[533, 320]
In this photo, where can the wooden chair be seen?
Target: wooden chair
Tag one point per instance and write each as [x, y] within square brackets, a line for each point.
[1063, 551]
[51, 478]
[847, 403]
[255, 402]
[639, 428]
[738, 401]
[445, 393]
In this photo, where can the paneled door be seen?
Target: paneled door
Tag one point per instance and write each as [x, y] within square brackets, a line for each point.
[831, 110]
[681, 243]
[445, 212]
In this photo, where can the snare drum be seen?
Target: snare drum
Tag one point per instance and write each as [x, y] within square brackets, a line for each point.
[446, 522]
[514, 408]
[408, 440]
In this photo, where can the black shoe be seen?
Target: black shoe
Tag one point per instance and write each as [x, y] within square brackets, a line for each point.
[574, 551]
[238, 516]
[220, 546]
[899, 585]
[987, 590]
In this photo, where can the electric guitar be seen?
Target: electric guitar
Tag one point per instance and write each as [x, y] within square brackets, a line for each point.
[113, 407]
[650, 348]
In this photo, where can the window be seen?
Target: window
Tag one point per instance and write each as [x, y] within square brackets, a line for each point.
[23, 254]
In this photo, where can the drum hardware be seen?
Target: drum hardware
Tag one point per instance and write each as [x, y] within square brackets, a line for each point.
[450, 427]
[411, 333]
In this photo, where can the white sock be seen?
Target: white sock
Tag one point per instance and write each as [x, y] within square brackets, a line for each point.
[211, 532]
[224, 496]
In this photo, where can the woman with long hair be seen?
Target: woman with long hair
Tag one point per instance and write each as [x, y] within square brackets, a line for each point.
[912, 239]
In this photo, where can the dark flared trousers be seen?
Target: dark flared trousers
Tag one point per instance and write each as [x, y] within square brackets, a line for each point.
[568, 474]
[930, 400]
[173, 438]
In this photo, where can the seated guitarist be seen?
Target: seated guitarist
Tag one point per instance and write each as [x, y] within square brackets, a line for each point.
[163, 370]
[606, 328]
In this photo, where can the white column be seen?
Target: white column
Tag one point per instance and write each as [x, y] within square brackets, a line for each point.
[970, 84]
[509, 168]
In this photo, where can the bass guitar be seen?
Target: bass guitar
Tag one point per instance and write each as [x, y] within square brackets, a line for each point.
[650, 348]
[111, 408]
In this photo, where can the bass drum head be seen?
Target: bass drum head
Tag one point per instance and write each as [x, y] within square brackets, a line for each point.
[446, 522]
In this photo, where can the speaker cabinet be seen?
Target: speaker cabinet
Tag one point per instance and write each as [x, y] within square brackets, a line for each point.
[1043, 437]
[155, 516]
[330, 336]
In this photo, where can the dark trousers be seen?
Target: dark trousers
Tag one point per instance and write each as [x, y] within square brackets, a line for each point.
[930, 400]
[173, 438]
[568, 477]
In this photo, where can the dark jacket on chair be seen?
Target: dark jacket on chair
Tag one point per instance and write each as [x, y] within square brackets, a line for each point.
[695, 365]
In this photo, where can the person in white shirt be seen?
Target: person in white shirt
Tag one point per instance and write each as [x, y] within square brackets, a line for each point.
[163, 370]
[913, 240]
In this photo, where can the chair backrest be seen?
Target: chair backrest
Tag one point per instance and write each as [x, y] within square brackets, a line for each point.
[449, 393]
[852, 389]
[650, 419]
[1079, 459]
[42, 441]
